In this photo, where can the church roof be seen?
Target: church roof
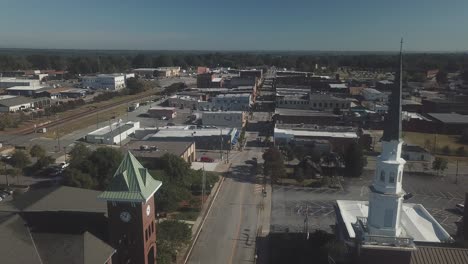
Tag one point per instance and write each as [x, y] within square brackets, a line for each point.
[392, 126]
[131, 182]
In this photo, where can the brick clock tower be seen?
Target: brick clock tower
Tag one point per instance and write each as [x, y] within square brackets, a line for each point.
[131, 213]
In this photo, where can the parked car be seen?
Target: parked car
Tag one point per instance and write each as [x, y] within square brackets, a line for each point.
[3, 195]
[63, 165]
[9, 191]
[206, 159]
[461, 208]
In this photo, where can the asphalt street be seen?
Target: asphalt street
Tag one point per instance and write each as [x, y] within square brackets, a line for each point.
[229, 233]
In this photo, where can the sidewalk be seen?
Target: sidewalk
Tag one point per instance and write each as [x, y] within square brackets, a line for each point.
[197, 225]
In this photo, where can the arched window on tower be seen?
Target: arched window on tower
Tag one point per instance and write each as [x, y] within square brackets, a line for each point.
[382, 176]
[399, 176]
[391, 178]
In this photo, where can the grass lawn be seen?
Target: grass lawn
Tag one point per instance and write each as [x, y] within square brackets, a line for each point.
[427, 141]
[87, 121]
[289, 181]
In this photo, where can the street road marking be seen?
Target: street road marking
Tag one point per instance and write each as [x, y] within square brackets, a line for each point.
[234, 246]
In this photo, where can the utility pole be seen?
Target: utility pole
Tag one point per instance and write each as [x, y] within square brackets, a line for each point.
[57, 131]
[97, 120]
[456, 174]
[221, 144]
[203, 186]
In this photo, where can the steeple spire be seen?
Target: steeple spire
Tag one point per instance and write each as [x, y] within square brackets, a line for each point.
[392, 126]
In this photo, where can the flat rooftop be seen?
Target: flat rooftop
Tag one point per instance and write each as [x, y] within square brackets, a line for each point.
[169, 132]
[26, 88]
[300, 112]
[153, 149]
[416, 221]
[113, 129]
[314, 133]
[450, 118]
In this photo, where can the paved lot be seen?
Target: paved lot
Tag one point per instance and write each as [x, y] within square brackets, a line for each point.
[290, 205]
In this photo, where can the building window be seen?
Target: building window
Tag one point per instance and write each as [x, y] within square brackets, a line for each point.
[399, 176]
[325, 105]
[388, 218]
[382, 176]
[315, 104]
[146, 234]
[391, 178]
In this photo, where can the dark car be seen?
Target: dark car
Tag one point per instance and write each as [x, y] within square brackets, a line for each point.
[206, 159]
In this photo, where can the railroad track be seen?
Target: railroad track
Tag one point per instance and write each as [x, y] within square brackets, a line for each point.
[80, 115]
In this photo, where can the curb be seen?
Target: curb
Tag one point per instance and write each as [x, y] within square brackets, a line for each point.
[200, 227]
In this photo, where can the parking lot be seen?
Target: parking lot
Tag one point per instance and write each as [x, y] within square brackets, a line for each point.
[290, 205]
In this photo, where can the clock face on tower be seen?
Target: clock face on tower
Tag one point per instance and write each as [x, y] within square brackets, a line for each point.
[148, 210]
[125, 216]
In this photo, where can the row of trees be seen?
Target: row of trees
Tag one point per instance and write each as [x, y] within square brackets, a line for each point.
[84, 62]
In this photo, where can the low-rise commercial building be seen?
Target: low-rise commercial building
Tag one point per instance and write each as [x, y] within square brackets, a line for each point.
[112, 134]
[416, 153]
[157, 72]
[25, 90]
[162, 112]
[235, 119]
[150, 152]
[322, 102]
[298, 116]
[232, 102]
[371, 94]
[111, 82]
[204, 80]
[183, 101]
[11, 82]
[10, 103]
[204, 138]
[339, 138]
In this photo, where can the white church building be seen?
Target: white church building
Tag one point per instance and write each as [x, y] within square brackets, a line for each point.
[385, 229]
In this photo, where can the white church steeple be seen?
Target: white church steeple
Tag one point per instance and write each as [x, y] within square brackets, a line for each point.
[386, 194]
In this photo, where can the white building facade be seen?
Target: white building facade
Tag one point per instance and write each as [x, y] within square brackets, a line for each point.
[111, 82]
[235, 119]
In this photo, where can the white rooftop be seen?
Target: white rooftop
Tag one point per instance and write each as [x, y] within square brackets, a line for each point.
[185, 132]
[3, 97]
[25, 88]
[12, 79]
[416, 221]
[311, 133]
[113, 127]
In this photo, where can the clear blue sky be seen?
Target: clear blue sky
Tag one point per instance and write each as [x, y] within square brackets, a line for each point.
[344, 25]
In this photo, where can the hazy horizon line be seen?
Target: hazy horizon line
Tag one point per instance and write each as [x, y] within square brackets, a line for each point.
[239, 50]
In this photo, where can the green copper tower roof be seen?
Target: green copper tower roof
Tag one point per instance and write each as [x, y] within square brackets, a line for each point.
[131, 182]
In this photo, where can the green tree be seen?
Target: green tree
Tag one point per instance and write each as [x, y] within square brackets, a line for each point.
[461, 151]
[446, 150]
[177, 168]
[273, 165]
[439, 165]
[78, 154]
[464, 136]
[354, 160]
[441, 77]
[20, 159]
[37, 151]
[105, 161]
[75, 178]
[135, 85]
[299, 174]
[43, 162]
